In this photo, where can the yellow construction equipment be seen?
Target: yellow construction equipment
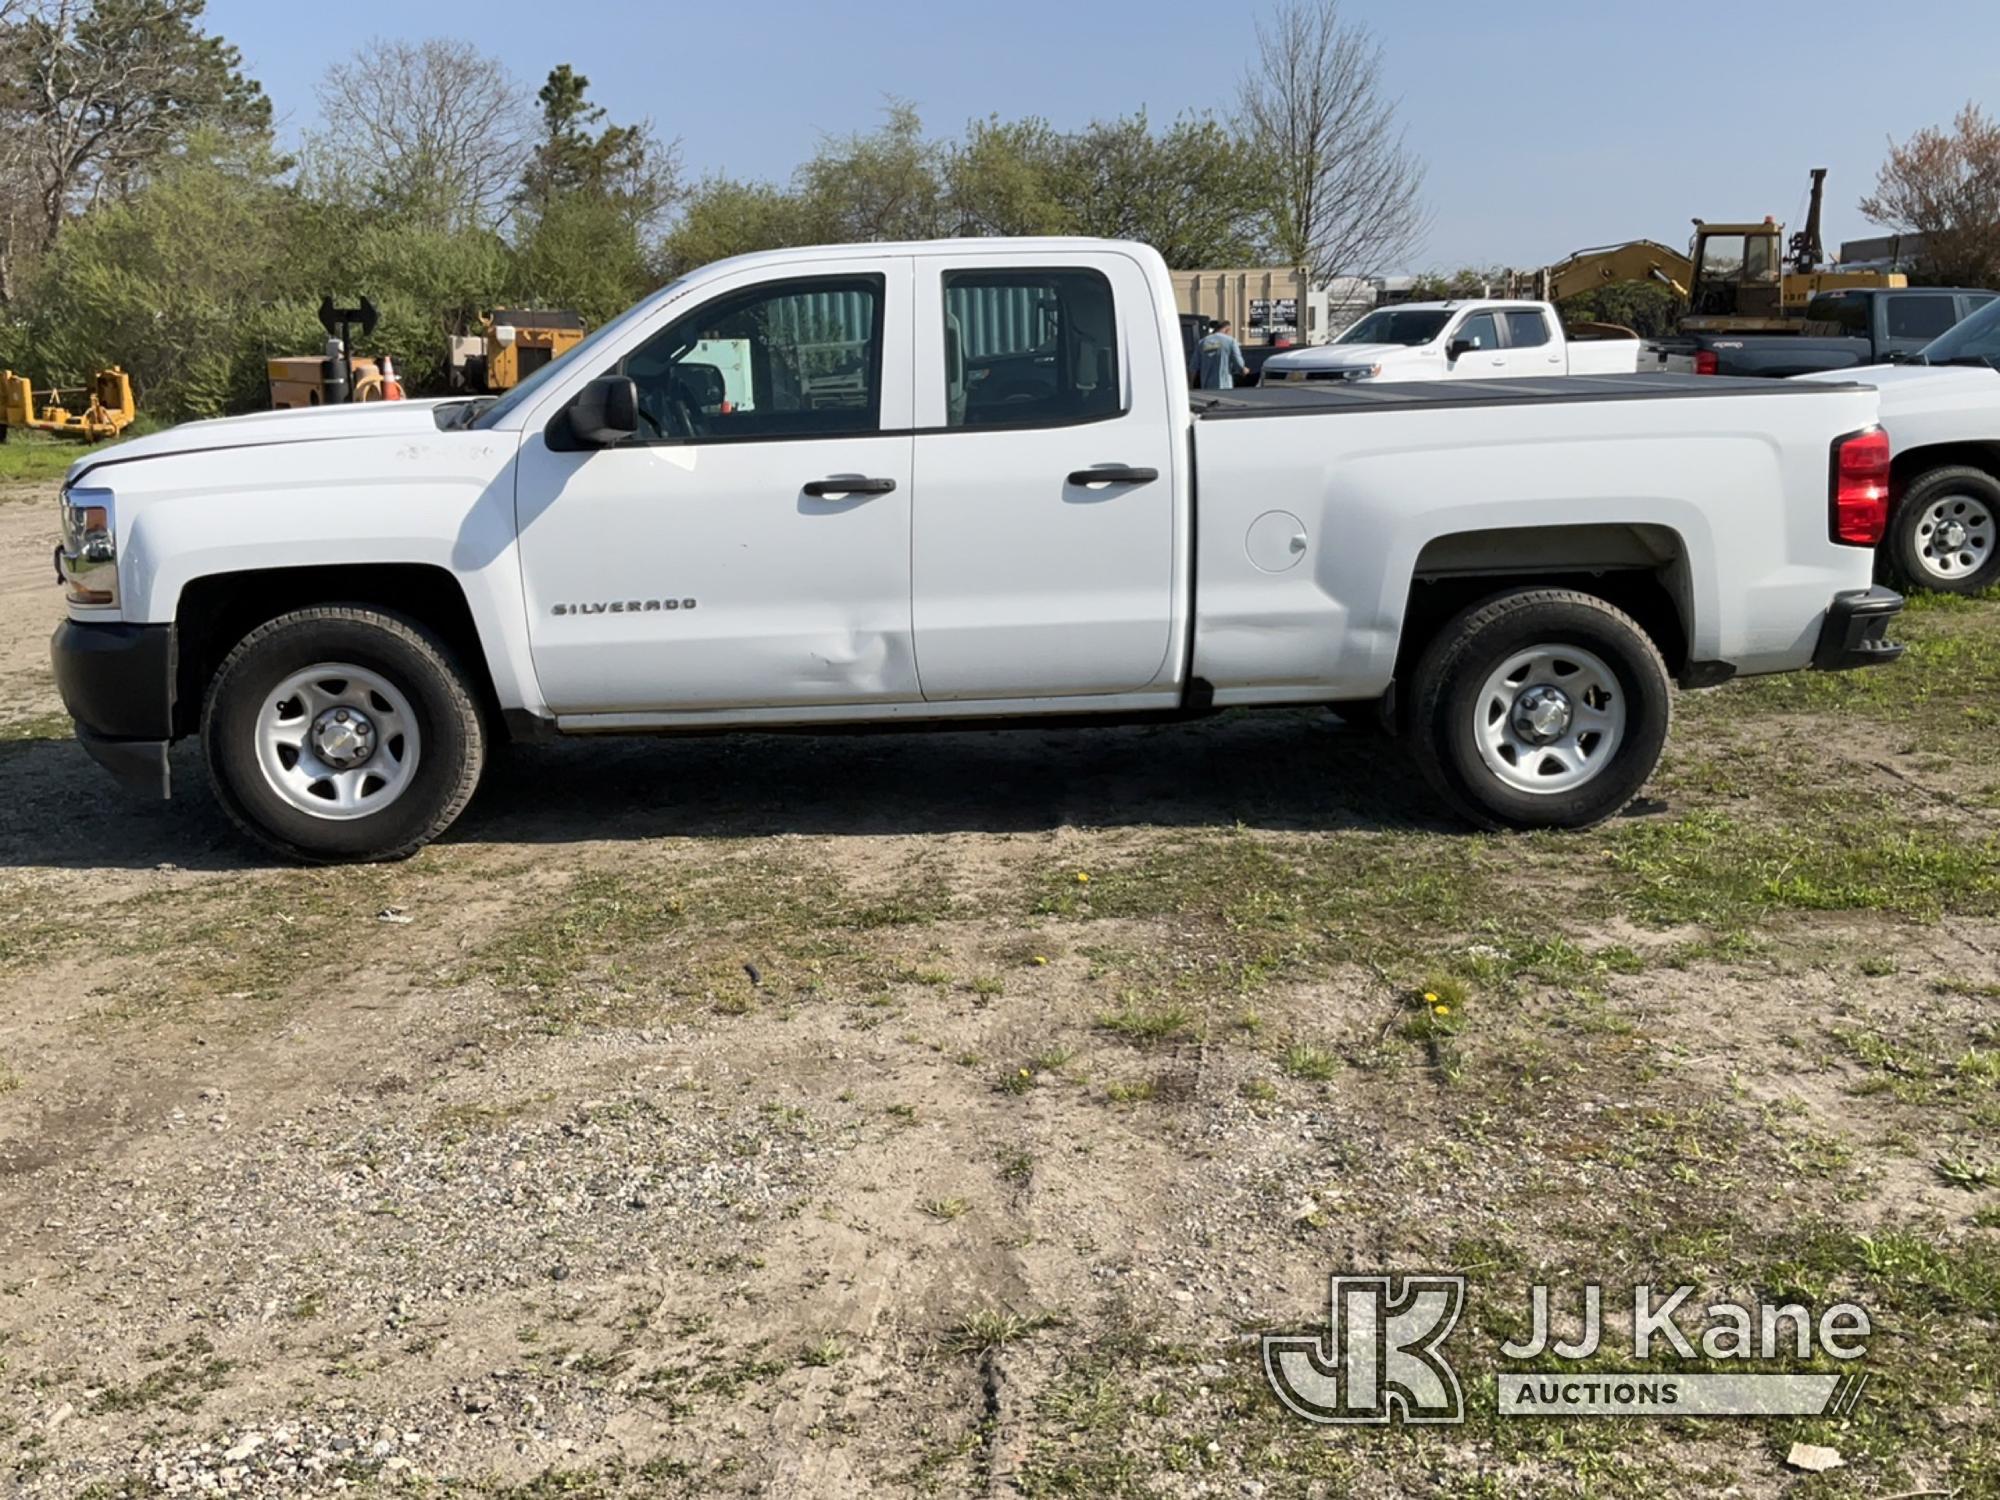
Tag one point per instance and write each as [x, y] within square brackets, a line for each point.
[1735, 278]
[511, 345]
[338, 375]
[301, 380]
[1608, 265]
[108, 412]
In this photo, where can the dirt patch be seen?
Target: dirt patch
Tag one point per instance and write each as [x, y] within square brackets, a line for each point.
[946, 1115]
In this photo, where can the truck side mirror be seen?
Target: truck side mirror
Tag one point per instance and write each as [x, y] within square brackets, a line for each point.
[605, 412]
[1460, 346]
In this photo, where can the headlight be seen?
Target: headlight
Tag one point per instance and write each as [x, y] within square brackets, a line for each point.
[88, 557]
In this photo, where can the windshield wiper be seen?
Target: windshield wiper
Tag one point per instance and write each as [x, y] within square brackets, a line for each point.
[458, 416]
[1976, 361]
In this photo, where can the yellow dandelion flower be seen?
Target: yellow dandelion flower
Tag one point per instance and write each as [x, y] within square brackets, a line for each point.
[1443, 1010]
[1430, 998]
[1082, 877]
[1040, 959]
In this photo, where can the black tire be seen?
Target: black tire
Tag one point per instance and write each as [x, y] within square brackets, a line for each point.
[402, 652]
[1908, 548]
[1453, 672]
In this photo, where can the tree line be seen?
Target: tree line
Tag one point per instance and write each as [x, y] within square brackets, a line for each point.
[149, 218]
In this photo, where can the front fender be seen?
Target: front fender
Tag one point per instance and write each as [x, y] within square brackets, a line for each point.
[447, 504]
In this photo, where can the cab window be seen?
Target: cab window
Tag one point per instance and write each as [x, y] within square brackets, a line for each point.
[787, 359]
[1923, 317]
[1526, 328]
[1029, 348]
[1479, 331]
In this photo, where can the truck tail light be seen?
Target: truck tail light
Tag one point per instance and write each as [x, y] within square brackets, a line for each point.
[1859, 512]
[1705, 362]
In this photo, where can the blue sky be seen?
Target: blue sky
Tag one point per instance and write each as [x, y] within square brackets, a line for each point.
[1547, 124]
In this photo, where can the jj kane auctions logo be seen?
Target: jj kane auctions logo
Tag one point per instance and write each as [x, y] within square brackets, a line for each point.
[1381, 1358]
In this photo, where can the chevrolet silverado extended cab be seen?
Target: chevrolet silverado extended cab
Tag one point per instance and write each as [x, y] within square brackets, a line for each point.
[949, 482]
[1458, 341]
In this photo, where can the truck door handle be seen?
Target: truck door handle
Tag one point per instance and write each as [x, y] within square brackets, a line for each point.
[849, 484]
[1113, 474]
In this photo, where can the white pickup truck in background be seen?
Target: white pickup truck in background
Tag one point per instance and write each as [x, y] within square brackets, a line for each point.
[950, 482]
[1461, 340]
[1942, 414]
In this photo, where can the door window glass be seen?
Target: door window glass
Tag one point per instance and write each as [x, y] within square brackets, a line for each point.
[1527, 329]
[1479, 331]
[1029, 348]
[787, 359]
[1920, 317]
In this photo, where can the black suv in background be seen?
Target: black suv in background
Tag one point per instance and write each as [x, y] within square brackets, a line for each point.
[1842, 331]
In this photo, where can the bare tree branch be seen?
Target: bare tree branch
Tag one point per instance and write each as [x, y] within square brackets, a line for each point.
[1347, 194]
[434, 130]
[92, 94]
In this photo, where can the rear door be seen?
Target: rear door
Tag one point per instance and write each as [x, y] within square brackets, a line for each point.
[1911, 320]
[1532, 347]
[1043, 536]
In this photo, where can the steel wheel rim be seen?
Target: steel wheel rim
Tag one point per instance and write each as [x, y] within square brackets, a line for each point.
[1954, 537]
[1528, 745]
[315, 752]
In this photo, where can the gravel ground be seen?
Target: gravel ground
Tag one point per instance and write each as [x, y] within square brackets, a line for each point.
[947, 1115]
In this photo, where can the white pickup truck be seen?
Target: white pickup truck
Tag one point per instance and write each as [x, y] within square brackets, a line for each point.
[1464, 340]
[950, 482]
[1942, 414]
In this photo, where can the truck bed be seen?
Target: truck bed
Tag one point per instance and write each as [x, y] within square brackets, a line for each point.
[1327, 397]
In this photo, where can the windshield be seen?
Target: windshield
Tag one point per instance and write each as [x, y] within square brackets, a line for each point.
[1976, 341]
[526, 391]
[1407, 326]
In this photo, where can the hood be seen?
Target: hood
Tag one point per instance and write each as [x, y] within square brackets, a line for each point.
[1339, 356]
[311, 424]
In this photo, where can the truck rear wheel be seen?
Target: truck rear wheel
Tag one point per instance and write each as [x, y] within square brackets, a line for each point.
[1544, 708]
[1945, 534]
[342, 733]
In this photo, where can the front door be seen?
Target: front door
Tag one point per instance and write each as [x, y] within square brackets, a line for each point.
[1485, 358]
[1044, 536]
[750, 545]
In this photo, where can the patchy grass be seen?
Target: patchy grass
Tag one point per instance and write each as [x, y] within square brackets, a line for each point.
[1147, 1025]
[1744, 1038]
[1721, 871]
[33, 458]
[39, 727]
[988, 1328]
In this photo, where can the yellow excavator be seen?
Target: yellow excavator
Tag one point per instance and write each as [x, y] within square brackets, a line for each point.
[107, 412]
[1735, 278]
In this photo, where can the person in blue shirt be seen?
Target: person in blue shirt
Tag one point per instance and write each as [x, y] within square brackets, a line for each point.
[1219, 359]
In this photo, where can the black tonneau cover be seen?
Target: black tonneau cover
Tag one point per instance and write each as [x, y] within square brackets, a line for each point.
[1325, 397]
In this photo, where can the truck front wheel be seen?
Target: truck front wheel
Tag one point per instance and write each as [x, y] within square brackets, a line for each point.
[342, 733]
[1543, 708]
[1943, 534]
